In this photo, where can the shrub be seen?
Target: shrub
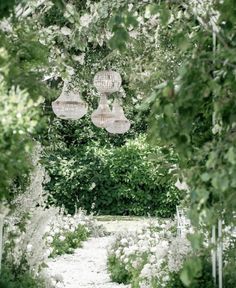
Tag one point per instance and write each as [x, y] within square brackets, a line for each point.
[71, 240]
[133, 179]
[10, 279]
[117, 271]
[140, 258]
[154, 257]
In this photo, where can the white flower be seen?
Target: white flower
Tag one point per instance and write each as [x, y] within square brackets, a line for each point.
[85, 20]
[166, 278]
[153, 249]
[62, 238]
[66, 227]
[65, 30]
[56, 230]
[135, 264]
[146, 271]
[152, 259]
[17, 240]
[49, 239]
[80, 58]
[72, 229]
[130, 6]
[47, 252]
[29, 247]
[123, 241]
[117, 253]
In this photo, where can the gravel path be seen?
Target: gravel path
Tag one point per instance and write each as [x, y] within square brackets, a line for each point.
[87, 267]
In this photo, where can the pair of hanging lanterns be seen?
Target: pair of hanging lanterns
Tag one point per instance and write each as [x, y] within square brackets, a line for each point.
[70, 106]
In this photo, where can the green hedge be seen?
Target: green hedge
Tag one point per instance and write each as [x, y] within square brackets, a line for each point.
[132, 179]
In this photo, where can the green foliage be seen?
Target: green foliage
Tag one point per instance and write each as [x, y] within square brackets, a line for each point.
[73, 240]
[201, 275]
[117, 270]
[229, 277]
[132, 179]
[10, 279]
[6, 7]
[196, 114]
[18, 122]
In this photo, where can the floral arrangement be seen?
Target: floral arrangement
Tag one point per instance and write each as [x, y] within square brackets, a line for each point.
[147, 257]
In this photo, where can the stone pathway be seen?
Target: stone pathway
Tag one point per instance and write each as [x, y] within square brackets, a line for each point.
[87, 267]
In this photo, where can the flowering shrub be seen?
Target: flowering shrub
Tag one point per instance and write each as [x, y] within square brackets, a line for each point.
[145, 259]
[154, 257]
[67, 232]
[138, 258]
[33, 232]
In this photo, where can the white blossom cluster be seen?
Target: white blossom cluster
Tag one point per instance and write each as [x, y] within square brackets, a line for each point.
[30, 228]
[152, 253]
[62, 224]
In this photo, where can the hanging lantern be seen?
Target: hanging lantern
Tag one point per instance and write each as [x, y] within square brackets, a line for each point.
[102, 117]
[107, 81]
[120, 123]
[69, 105]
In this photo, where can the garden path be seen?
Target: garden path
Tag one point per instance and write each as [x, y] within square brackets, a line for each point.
[86, 268]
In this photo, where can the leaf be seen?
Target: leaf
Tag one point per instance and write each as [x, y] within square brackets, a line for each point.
[196, 240]
[205, 177]
[165, 15]
[119, 39]
[130, 20]
[151, 9]
[192, 269]
[230, 156]
[185, 277]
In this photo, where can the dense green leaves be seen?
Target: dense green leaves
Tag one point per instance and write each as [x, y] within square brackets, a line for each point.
[18, 121]
[132, 179]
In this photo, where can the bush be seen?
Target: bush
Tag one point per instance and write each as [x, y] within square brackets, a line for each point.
[117, 271]
[10, 279]
[69, 241]
[139, 258]
[204, 280]
[133, 179]
[154, 258]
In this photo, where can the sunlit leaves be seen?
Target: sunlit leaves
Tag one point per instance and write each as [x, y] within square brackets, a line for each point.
[19, 118]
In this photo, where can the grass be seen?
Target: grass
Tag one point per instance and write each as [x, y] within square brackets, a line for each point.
[121, 218]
